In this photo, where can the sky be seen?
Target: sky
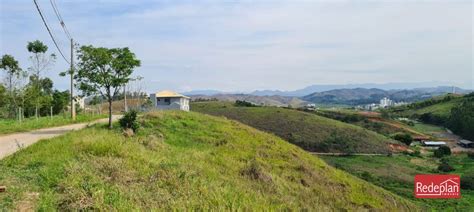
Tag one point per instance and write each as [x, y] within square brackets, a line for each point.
[249, 45]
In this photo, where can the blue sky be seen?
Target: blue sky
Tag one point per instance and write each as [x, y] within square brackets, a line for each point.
[249, 45]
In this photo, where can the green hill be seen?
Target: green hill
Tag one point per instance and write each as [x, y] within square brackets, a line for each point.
[181, 160]
[436, 110]
[452, 111]
[309, 131]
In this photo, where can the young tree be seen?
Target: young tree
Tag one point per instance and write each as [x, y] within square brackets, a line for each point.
[105, 71]
[40, 63]
[13, 71]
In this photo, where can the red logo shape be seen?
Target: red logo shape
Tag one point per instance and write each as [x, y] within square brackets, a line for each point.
[437, 186]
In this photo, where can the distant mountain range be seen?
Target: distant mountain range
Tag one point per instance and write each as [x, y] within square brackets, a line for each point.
[358, 96]
[345, 96]
[435, 86]
[321, 88]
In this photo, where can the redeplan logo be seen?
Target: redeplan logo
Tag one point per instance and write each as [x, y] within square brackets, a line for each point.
[437, 186]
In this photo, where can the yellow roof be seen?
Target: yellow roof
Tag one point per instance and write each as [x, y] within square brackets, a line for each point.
[169, 94]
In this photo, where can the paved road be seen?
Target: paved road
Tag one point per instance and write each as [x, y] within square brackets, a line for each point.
[9, 144]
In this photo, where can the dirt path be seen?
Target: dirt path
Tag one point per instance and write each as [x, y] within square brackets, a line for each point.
[11, 143]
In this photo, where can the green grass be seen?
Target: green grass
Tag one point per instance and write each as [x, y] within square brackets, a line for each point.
[309, 131]
[396, 174]
[181, 161]
[440, 109]
[427, 128]
[13, 126]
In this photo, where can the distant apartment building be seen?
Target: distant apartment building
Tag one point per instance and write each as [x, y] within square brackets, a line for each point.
[386, 102]
[383, 103]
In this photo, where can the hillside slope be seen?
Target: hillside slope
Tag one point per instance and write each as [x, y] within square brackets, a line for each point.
[258, 100]
[309, 131]
[183, 161]
[438, 109]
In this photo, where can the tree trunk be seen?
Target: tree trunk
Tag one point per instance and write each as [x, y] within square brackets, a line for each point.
[110, 113]
[36, 111]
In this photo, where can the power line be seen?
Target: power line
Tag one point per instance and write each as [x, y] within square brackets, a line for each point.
[60, 18]
[49, 31]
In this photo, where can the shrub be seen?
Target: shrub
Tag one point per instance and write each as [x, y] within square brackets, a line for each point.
[445, 167]
[442, 151]
[467, 181]
[129, 121]
[470, 155]
[404, 138]
[242, 103]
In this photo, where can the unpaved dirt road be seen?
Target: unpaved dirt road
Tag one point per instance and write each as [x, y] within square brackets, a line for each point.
[9, 144]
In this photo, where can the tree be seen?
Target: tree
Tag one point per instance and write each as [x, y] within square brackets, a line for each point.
[13, 70]
[60, 101]
[461, 120]
[467, 181]
[404, 138]
[3, 102]
[105, 71]
[40, 63]
[442, 151]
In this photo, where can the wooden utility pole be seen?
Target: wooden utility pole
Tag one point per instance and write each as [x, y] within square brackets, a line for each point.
[73, 106]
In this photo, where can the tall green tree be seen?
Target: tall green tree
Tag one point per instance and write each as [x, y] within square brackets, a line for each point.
[13, 72]
[105, 71]
[60, 101]
[40, 62]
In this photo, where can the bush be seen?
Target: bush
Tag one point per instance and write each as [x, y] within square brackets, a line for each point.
[242, 103]
[470, 155]
[404, 138]
[467, 181]
[445, 167]
[442, 151]
[129, 121]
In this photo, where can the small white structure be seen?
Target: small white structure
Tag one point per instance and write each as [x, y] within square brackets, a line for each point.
[433, 143]
[169, 100]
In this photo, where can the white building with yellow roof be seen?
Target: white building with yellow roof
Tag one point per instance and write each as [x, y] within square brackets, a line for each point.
[169, 100]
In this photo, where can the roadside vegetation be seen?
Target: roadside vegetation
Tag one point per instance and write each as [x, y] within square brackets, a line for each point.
[308, 131]
[13, 126]
[179, 160]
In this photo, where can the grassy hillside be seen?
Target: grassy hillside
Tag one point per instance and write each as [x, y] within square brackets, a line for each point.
[309, 131]
[452, 111]
[183, 161]
[258, 100]
[396, 174]
[439, 108]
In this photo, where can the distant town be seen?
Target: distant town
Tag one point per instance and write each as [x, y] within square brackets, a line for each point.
[384, 103]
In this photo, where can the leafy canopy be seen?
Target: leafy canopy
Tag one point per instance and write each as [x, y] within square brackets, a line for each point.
[102, 70]
[36, 47]
[9, 64]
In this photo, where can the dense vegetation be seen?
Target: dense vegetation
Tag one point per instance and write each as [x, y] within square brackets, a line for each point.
[461, 120]
[29, 93]
[396, 174]
[309, 131]
[453, 112]
[182, 161]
